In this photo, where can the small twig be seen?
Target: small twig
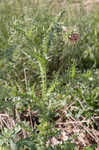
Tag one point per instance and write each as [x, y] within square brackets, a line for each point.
[1, 121]
[29, 110]
[72, 122]
[5, 123]
[88, 131]
[4, 115]
[11, 122]
[71, 105]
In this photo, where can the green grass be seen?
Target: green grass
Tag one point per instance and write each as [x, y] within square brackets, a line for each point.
[42, 72]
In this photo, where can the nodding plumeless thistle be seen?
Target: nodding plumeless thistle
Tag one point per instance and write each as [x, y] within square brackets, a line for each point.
[73, 36]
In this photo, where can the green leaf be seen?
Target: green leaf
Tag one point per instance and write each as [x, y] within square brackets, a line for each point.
[13, 145]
